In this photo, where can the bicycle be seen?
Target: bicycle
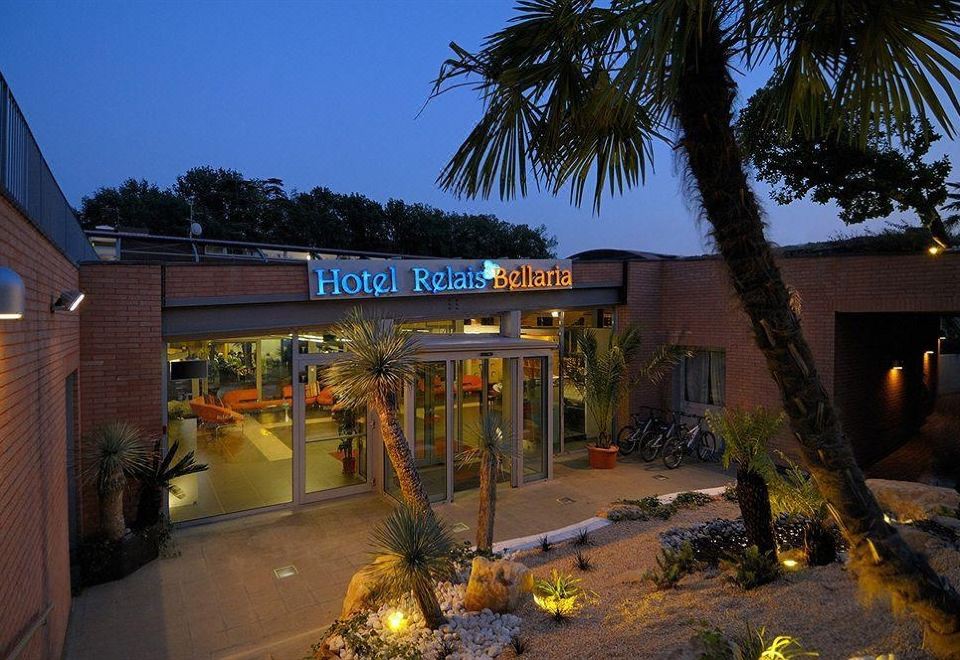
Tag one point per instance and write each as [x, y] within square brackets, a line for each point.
[651, 449]
[686, 440]
[636, 433]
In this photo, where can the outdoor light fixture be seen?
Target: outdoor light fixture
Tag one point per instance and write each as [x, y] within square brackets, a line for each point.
[67, 302]
[12, 295]
[555, 314]
[897, 365]
[928, 352]
[396, 621]
[934, 250]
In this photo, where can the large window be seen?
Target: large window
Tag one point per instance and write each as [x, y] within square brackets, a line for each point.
[229, 401]
[704, 377]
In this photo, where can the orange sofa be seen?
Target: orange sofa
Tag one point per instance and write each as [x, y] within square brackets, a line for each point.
[210, 413]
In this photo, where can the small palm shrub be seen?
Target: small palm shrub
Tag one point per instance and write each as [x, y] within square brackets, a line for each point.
[672, 565]
[116, 454]
[492, 451]
[561, 596]
[159, 476]
[545, 544]
[746, 435]
[752, 568]
[795, 493]
[413, 549]
[582, 538]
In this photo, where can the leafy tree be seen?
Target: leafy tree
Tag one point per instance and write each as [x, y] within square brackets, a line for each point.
[575, 93]
[229, 206]
[867, 179]
[382, 356]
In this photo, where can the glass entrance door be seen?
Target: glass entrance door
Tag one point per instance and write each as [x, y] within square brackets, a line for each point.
[483, 387]
[430, 428]
[534, 403]
[331, 454]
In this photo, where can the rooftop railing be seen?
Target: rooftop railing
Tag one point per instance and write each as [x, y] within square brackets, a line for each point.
[27, 182]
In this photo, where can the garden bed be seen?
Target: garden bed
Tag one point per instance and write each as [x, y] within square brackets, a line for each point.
[629, 619]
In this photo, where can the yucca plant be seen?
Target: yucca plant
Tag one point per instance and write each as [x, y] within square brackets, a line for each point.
[603, 377]
[413, 553]
[116, 453]
[493, 448]
[746, 435]
[158, 477]
[380, 359]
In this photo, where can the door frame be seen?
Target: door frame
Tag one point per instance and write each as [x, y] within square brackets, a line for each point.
[301, 362]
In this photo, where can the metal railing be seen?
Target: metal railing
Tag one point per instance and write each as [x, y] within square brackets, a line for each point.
[26, 180]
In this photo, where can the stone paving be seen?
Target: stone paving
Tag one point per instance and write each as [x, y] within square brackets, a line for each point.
[221, 598]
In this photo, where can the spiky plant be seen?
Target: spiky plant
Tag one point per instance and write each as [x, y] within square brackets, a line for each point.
[545, 544]
[746, 435]
[583, 561]
[603, 376]
[493, 449]
[159, 476]
[583, 537]
[380, 359]
[116, 453]
[413, 553]
[575, 93]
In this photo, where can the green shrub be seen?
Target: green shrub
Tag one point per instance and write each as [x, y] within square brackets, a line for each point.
[365, 642]
[646, 508]
[752, 645]
[691, 499]
[672, 565]
[561, 596]
[752, 568]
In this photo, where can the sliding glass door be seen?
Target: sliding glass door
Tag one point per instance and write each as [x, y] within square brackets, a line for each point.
[482, 389]
[535, 403]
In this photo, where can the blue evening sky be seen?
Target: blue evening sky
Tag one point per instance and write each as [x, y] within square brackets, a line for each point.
[315, 93]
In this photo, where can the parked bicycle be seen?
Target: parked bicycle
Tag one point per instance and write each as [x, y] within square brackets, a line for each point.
[650, 449]
[635, 434]
[685, 441]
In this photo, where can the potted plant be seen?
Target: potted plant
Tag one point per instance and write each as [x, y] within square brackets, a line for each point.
[346, 419]
[603, 379]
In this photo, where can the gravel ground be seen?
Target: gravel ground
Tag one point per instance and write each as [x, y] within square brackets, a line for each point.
[820, 606]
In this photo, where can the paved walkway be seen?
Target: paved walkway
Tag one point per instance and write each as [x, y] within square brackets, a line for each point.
[221, 598]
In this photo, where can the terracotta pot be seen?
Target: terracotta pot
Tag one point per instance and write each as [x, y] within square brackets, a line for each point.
[602, 458]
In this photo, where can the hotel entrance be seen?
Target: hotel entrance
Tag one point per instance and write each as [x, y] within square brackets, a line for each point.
[454, 390]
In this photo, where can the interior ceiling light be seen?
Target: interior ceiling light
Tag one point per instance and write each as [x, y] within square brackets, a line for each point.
[67, 302]
[12, 295]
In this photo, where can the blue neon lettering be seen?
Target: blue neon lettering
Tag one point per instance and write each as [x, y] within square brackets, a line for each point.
[351, 290]
[334, 281]
[420, 279]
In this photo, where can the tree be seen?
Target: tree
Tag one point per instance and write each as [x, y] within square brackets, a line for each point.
[494, 447]
[136, 205]
[746, 436]
[414, 554]
[869, 179]
[603, 376]
[381, 358]
[116, 454]
[574, 92]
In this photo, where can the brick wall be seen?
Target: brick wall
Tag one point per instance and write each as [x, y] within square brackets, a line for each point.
[37, 354]
[203, 280]
[121, 353]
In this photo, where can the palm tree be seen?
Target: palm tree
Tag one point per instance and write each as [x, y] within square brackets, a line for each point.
[746, 435]
[603, 378]
[116, 453]
[158, 477]
[493, 449]
[381, 358]
[573, 91]
[413, 554]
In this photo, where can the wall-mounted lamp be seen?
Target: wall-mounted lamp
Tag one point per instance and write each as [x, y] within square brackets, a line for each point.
[934, 250]
[12, 295]
[67, 302]
[897, 365]
[928, 352]
[555, 314]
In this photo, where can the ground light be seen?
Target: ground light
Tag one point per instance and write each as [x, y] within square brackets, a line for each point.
[396, 621]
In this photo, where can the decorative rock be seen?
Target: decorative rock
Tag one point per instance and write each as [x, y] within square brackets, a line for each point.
[497, 585]
[907, 500]
[361, 591]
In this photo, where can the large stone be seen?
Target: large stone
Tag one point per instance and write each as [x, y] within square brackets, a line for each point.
[907, 500]
[498, 585]
[362, 592]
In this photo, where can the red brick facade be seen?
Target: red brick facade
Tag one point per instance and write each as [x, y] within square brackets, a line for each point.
[37, 354]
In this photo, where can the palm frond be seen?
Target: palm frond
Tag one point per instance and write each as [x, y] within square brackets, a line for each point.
[380, 359]
[493, 439]
[116, 453]
[746, 436]
[412, 547]
[663, 360]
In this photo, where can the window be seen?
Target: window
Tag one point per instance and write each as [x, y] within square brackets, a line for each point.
[703, 377]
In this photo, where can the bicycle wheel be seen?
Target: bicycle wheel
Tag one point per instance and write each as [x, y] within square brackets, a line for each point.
[627, 440]
[673, 453]
[651, 449]
[707, 447]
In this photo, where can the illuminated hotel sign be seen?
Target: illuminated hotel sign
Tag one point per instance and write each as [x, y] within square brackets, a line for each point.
[369, 278]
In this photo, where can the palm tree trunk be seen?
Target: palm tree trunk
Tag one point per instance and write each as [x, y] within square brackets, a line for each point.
[704, 111]
[426, 599]
[488, 501]
[112, 522]
[754, 499]
[394, 441]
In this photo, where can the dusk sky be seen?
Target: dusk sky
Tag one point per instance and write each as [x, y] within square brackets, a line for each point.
[320, 93]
